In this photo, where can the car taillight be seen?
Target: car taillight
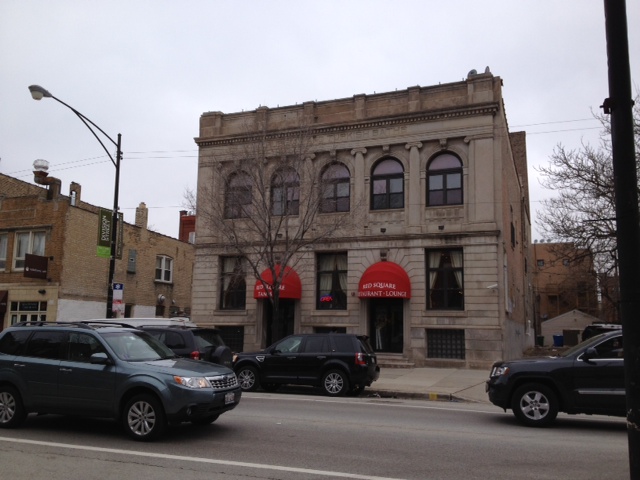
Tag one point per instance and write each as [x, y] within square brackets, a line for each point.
[195, 355]
[361, 359]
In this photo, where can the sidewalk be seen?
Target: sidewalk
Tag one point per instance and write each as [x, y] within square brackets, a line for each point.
[448, 384]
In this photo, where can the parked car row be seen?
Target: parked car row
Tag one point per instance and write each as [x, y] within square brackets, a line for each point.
[106, 369]
[148, 373]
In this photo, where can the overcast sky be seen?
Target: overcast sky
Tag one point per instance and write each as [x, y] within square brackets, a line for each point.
[149, 69]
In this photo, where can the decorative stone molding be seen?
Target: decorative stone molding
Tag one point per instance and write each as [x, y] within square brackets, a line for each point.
[411, 145]
[361, 151]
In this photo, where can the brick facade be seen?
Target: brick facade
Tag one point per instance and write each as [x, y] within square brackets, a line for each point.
[76, 283]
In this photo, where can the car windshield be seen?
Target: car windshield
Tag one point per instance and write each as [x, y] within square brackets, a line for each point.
[582, 345]
[135, 346]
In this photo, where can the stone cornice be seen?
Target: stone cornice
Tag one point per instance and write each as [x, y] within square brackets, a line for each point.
[384, 122]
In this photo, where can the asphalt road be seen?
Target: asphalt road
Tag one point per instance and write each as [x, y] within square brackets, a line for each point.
[280, 436]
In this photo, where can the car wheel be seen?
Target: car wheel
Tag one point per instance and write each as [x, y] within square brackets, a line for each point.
[202, 421]
[144, 418]
[12, 412]
[535, 405]
[271, 387]
[248, 379]
[335, 383]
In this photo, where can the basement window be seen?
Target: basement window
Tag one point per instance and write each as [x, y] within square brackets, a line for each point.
[445, 343]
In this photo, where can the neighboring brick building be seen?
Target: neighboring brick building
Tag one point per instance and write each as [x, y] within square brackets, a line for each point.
[61, 231]
[563, 280]
[447, 242]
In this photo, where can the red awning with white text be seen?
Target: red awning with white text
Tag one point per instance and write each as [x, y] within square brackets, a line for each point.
[384, 280]
[289, 288]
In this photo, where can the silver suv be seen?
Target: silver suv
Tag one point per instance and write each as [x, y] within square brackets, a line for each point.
[107, 370]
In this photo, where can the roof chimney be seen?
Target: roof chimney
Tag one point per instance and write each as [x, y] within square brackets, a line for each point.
[142, 215]
[75, 189]
[41, 177]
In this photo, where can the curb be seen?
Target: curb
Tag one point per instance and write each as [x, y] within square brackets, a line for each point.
[430, 396]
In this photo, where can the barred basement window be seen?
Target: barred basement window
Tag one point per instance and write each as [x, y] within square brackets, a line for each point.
[445, 343]
[233, 337]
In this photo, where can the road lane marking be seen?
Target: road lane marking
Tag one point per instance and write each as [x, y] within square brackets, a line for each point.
[305, 471]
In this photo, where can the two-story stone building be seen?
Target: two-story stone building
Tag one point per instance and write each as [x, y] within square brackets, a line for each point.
[50, 270]
[435, 266]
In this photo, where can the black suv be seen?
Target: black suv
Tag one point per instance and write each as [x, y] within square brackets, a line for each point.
[199, 343]
[587, 378]
[338, 363]
[109, 371]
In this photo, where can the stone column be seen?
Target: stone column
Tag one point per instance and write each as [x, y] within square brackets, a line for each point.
[413, 202]
[358, 180]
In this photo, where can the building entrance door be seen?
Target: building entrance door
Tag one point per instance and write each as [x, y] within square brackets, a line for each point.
[284, 325]
[386, 325]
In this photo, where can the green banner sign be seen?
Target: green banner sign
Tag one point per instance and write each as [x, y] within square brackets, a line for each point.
[104, 233]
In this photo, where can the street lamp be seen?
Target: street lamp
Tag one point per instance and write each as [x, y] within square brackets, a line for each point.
[37, 92]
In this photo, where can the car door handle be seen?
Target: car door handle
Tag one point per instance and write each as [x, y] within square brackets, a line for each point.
[19, 365]
[66, 370]
[291, 358]
[321, 357]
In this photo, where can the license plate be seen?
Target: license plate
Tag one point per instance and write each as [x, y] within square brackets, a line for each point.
[229, 398]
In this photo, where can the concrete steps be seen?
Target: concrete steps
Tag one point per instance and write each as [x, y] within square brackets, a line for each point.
[391, 360]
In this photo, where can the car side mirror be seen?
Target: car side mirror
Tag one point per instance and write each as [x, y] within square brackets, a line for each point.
[589, 353]
[100, 359]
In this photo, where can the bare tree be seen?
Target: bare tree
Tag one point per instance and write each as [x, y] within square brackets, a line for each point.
[583, 212]
[265, 202]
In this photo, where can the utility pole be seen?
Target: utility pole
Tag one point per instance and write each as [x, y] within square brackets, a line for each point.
[620, 106]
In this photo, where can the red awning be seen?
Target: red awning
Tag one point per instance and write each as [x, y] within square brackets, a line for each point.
[289, 288]
[384, 280]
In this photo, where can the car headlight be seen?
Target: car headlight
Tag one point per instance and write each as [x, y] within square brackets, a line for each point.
[192, 382]
[499, 371]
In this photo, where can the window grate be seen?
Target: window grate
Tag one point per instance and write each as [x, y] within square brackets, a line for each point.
[445, 343]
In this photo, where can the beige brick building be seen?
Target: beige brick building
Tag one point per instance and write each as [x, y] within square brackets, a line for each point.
[436, 266]
[71, 284]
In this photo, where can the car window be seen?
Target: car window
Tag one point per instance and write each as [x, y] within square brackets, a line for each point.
[611, 348]
[319, 344]
[137, 346]
[343, 343]
[46, 344]
[173, 340]
[13, 343]
[81, 346]
[289, 345]
[207, 338]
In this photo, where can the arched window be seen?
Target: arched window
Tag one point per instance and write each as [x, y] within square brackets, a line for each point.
[238, 196]
[387, 185]
[335, 189]
[285, 192]
[444, 177]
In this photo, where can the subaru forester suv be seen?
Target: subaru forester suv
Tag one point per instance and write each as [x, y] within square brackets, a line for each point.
[106, 370]
[338, 363]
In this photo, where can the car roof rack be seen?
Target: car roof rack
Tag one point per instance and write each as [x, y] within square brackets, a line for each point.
[44, 323]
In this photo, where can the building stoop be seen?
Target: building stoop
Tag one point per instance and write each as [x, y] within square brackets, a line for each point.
[391, 360]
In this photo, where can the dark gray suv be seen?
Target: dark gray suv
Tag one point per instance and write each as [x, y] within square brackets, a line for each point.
[110, 371]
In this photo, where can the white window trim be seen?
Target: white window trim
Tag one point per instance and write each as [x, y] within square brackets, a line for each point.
[163, 269]
[29, 250]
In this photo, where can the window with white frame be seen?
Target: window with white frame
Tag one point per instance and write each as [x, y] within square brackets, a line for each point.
[164, 269]
[4, 240]
[28, 243]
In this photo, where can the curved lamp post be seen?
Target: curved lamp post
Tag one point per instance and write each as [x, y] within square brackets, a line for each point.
[37, 92]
